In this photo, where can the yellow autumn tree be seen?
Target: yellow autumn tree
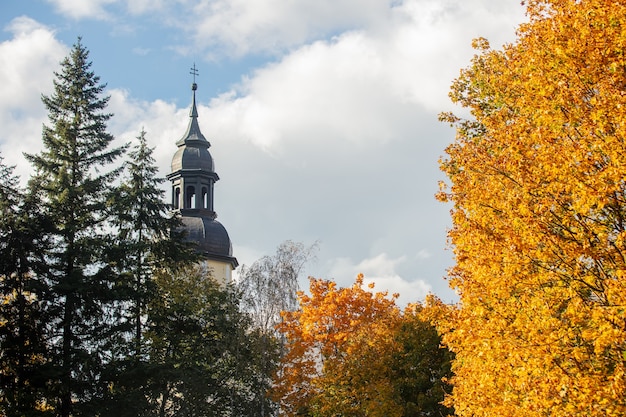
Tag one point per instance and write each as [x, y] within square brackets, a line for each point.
[351, 352]
[538, 186]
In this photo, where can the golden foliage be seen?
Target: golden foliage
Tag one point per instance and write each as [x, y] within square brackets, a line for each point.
[539, 193]
[352, 352]
[331, 323]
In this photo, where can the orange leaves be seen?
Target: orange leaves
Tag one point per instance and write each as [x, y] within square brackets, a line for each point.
[322, 334]
[537, 182]
[353, 352]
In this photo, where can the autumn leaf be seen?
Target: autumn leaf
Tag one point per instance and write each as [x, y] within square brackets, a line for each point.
[353, 352]
[539, 218]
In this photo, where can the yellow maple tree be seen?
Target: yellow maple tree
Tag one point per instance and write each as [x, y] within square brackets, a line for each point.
[537, 182]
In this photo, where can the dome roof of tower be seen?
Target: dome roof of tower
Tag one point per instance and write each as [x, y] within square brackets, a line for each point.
[210, 236]
[193, 158]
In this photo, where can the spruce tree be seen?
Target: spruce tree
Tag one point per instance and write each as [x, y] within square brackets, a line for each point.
[142, 220]
[72, 182]
[21, 342]
[147, 240]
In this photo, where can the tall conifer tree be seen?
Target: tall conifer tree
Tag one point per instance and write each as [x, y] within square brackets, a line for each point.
[143, 223]
[148, 240]
[72, 182]
[20, 328]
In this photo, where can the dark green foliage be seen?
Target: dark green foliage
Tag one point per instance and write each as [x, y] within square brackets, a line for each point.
[144, 228]
[203, 360]
[101, 312]
[21, 344]
[420, 369]
[71, 184]
[146, 241]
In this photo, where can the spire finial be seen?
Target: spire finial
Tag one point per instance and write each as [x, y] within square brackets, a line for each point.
[194, 72]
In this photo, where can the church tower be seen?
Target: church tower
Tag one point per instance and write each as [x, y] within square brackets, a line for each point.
[193, 178]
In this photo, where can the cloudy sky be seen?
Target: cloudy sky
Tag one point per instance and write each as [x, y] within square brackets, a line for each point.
[322, 114]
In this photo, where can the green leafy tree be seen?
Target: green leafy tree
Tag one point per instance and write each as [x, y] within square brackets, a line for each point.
[21, 342]
[71, 184]
[419, 366]
[200, 351]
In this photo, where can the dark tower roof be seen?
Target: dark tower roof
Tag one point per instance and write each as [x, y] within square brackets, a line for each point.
[211, 237]
[193, 148]
[193, 133]
[193, 177]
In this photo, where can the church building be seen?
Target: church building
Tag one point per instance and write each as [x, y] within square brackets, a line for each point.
[193, 178]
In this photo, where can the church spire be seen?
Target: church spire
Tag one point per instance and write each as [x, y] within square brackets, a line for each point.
[193, 112]
[193, 133]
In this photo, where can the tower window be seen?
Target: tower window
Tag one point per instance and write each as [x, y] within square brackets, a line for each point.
[190, 197]
[205, 200]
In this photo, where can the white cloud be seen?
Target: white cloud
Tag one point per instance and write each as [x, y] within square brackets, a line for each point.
[379, 265]
[149, 6]
[241, 27]
[33, 54]
[163, 122]
[381, 270]
[408, 291]
[82, 9]
[141, 51]
[325, 89]
[361, 86]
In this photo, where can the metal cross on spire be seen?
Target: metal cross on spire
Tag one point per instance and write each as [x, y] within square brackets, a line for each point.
[194, 72]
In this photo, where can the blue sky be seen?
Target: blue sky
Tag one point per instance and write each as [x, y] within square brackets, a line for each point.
[322, 115]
